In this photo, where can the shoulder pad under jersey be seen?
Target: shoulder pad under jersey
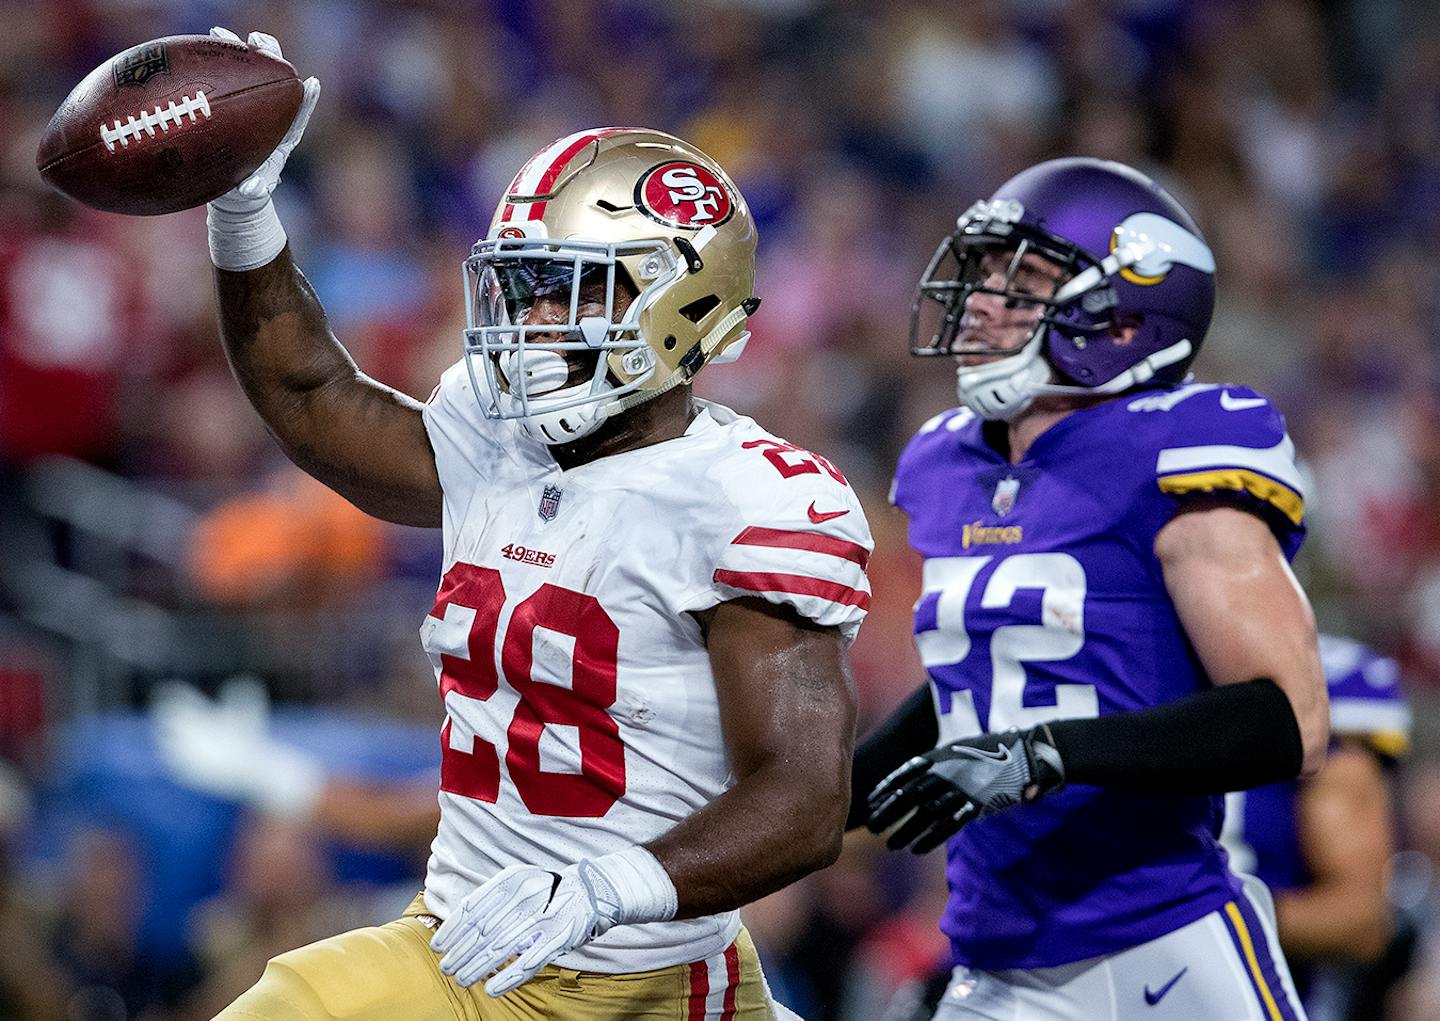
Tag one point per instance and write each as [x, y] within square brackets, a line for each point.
[1224, 439]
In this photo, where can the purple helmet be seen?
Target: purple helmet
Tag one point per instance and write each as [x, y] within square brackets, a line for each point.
[1128, 255]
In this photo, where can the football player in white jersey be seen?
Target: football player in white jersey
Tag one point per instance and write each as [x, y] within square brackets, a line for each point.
[640, 635]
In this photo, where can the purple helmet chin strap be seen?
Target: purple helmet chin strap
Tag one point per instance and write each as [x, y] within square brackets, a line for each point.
[1004, 388]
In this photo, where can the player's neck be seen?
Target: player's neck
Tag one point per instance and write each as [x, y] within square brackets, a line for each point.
[655, 421]
[1023, 430]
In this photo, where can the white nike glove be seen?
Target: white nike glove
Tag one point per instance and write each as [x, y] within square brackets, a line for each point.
[245, 232]
[222, 746]
[540, 915]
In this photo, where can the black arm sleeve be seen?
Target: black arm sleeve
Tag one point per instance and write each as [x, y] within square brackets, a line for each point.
[910, 730]
[1229, 738]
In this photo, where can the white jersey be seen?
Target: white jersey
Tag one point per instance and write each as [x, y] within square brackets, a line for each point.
[582, 715]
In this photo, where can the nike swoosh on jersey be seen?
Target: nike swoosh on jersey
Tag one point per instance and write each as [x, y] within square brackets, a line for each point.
[821, 516]
[1239, 403]
[1159, 994]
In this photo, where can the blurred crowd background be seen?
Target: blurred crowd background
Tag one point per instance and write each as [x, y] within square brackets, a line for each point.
[150, 530]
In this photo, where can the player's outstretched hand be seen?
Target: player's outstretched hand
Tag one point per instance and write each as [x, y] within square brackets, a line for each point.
[932, 796]
[521, 910]
[253, 192]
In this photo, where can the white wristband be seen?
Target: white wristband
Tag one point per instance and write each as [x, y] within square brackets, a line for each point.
[241, 241]
[631, 886]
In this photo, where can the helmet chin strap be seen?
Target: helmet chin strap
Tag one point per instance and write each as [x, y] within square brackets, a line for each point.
[1140, 372]
[1000, 390]
[565, 426]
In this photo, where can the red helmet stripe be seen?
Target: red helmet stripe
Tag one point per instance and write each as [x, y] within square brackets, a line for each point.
[555, 157]
[566, 155]
[552, 173]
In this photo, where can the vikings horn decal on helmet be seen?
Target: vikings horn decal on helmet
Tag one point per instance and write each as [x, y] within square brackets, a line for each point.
[1128, 254]
[606, 212]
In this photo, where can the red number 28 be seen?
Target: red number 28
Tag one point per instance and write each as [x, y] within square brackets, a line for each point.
[476, 774]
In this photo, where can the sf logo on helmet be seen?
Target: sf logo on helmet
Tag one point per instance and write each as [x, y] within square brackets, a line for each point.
[683, 194]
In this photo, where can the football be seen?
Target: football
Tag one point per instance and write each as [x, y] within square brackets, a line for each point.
[168, 125]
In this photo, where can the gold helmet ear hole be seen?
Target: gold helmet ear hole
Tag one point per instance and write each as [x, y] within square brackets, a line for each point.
[670, 343]
[700, 307]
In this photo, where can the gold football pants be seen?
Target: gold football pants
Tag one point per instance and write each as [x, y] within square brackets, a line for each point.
[389, 973]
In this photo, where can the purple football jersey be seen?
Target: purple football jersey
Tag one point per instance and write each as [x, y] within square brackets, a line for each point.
[1042, 599]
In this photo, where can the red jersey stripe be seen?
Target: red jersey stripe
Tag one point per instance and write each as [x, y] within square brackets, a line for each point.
[784, 538]
[795, 585]
[732, 982]
[699, 989]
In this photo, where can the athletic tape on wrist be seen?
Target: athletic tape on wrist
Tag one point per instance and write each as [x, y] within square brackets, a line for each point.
[244, 241]
[644, 891]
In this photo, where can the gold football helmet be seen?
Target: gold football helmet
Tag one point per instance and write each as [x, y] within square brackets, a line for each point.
[608, 206]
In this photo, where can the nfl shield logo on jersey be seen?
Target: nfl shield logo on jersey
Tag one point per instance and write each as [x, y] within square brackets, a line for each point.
[550, 503]
[1005, 492]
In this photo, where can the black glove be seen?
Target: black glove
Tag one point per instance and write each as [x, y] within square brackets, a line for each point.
[935, 794]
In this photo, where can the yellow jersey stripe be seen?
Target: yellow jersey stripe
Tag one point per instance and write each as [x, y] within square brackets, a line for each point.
[1281, 496]
[1238, 921]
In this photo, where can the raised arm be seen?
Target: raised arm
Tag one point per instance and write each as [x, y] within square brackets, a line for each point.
[362, 439]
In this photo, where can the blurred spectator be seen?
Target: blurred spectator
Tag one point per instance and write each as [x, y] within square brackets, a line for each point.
[296, 544]
[93, 941]
[31, 988]
[280, 895]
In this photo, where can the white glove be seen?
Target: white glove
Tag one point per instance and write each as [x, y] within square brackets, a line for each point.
[245, 232]
[222, 747]
[541, 915]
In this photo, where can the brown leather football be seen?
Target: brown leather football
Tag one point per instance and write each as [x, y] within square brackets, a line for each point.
[168, 125]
